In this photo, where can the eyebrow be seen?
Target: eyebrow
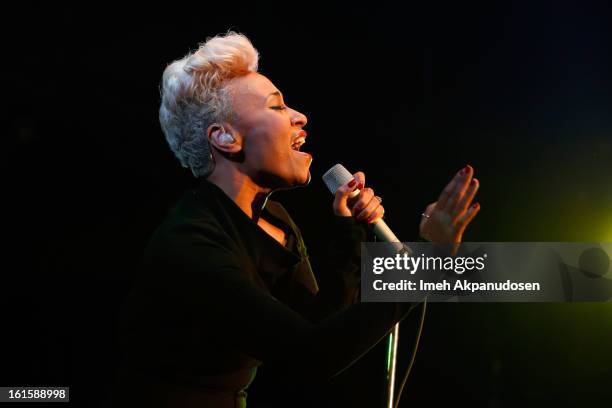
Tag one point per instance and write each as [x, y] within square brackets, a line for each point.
[277, 93]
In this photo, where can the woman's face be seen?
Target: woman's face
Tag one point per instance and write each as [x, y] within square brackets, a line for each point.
[269, 132]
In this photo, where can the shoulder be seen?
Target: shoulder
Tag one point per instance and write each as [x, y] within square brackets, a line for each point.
[188, 227]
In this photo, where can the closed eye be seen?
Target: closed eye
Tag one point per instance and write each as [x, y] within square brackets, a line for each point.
[278, 107]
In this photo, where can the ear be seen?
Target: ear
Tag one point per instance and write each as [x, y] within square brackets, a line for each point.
[214, 132]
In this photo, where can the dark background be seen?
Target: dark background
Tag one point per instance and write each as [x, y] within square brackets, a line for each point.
[409, 94]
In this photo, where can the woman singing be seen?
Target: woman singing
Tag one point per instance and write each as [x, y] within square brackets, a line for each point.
[226, 284]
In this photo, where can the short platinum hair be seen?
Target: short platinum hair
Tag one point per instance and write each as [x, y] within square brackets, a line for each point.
[194, 96]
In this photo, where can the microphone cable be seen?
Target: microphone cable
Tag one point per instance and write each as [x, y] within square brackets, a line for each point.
[415, 347]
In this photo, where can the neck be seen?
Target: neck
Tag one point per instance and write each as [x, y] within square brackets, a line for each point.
[250, 197]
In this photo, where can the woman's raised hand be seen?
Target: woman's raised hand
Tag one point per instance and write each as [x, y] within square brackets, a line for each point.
[364, 207]
[445, 220]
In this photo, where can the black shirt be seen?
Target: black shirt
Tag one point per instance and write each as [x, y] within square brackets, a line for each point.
[217, 296]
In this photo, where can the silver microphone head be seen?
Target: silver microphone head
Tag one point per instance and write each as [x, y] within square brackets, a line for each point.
[336, 177]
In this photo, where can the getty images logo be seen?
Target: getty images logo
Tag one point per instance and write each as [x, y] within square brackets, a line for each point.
[412, 264]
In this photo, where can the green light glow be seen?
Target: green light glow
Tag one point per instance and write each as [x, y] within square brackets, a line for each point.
[389, 352]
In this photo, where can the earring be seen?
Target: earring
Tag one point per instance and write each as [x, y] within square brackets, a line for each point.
[226, 138]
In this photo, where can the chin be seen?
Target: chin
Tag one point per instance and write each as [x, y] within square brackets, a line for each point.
[306, 181]
[303, 176]
[300, 180]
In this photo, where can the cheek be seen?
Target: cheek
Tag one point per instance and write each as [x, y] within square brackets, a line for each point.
[263, 148]
[270, 134]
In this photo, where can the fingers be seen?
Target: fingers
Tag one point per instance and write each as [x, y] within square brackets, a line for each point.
[465, 201]
[455, 186]
[341, 198]
[446, 193]
[366, 206]
[362, 201]
[425, 218]
[462, 181]
[446, 220]
[377, 214]
[373, 210]
[360, 178]
[346, 196]
[469, 215]
[430, 208]
[427, 212]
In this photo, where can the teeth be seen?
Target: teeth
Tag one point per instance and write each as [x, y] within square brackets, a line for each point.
[297, 143]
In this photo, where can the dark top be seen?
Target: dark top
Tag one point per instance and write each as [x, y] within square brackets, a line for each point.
[217, 296]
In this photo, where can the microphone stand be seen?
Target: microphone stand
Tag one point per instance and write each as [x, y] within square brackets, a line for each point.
[391, 365]
[333, 178]
[393, 340]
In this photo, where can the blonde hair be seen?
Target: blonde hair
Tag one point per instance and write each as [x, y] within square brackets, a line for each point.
[194, 96]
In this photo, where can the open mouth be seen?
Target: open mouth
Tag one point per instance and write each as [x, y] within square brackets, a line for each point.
[297, 143]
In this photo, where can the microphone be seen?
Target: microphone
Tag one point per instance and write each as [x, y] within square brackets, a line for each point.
[337, 176]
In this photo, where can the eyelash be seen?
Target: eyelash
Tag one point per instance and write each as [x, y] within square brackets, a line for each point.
[278, 107]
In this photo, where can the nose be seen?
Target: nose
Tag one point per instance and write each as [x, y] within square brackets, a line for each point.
[298, 118]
